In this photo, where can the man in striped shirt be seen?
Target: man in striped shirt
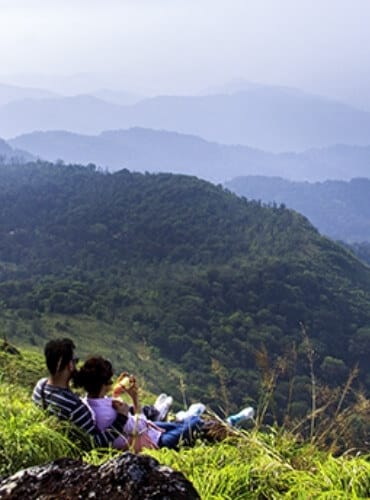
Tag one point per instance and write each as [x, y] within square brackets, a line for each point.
[53, 393]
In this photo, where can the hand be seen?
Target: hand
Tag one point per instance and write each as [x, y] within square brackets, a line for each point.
[133, 390]
[121, 407]
[124, 383]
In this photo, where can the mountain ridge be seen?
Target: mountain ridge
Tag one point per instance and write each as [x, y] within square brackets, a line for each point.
[270, 119]
[157, 151]
[339, 209]
[10, 93]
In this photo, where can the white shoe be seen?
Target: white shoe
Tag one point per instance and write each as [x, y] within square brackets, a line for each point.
[194, 410]
[160, 400]
[245, 414]
[162, 405]
[180, 416]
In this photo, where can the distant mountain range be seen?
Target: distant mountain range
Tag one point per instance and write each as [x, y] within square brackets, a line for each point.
[10, 93]
[120, 97]
[148, 150]
[338, 209]
[5, 149]
[270, 118]
[157, 151]
[7, 153]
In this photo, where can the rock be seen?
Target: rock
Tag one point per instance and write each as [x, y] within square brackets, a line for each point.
[128, 477]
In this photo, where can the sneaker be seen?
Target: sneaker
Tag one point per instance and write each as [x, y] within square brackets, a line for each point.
[160, 400]
[163, 404]
[194, 410]
[180, 416]
[245, 414]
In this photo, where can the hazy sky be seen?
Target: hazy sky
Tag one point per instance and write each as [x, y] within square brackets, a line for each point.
[186, 45]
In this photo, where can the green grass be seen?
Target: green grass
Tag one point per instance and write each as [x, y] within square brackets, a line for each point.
[27, 436]
[251, 465]
[23, 369]
[251, 469]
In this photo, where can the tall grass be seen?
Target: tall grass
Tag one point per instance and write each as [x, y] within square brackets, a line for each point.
[273, 464]
[338, 418]
[23, 368]
[257, 467]
[27, 436]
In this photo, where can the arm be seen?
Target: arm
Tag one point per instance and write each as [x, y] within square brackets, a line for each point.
[127, 383]
[133, 392]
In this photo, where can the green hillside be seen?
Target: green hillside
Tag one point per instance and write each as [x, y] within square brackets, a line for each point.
[181, 281]
[250, 465]
[339, 209]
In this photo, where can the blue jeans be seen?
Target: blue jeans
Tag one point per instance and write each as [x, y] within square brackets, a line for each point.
[176, 432]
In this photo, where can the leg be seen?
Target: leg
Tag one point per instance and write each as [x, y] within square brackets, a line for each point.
[150, 412]
[179, 432]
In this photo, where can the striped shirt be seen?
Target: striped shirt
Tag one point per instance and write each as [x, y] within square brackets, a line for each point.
[66, 405]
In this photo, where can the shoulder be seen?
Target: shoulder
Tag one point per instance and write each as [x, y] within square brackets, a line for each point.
[51, 394]
[40, 383]
[99, 402]
[36, 394]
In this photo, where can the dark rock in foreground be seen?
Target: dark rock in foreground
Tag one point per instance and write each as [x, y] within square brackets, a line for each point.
[128, 477]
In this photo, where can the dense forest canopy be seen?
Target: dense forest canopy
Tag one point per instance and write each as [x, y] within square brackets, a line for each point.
[208, 281]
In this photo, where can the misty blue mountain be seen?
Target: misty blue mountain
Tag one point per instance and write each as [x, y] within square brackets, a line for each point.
[5, 149]
[160, 151]
[143, 150]
[338, 209]
[120, 97]
[10, 93]
[265, 117]
[7, 153]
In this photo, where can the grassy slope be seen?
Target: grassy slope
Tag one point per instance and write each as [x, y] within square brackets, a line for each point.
[253, 466]
[98, 337]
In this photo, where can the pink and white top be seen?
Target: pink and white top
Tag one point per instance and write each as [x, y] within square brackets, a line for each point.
[105, 414]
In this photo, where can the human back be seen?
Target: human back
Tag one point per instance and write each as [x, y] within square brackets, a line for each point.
[54, 394]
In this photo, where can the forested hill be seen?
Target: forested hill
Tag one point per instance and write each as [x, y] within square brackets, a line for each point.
[339, 209]
[202, 278]
[70, 215]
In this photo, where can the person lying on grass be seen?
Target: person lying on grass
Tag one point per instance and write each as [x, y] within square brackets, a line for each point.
[95, 376]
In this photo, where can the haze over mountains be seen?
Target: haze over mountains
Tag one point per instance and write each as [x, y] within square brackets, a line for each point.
[7, 153]
[228, 131]
[10, 93]
[143, 150]
[340, 210]
[160, 151]
[259, 116]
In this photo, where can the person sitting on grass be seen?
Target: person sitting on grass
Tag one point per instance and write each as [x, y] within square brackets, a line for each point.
[95, 376]
[54, 395]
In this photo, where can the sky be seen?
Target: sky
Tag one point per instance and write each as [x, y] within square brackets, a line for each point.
[185, 46]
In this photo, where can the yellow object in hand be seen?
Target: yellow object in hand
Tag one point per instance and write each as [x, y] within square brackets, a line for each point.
[126, 383]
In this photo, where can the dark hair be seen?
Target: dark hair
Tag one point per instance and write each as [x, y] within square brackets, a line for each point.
[95, 372]
[58, 353]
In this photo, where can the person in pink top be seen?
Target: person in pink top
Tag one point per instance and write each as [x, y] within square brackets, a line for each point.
[95, 376]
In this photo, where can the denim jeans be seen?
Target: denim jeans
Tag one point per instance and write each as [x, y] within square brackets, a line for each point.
[179, 432]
